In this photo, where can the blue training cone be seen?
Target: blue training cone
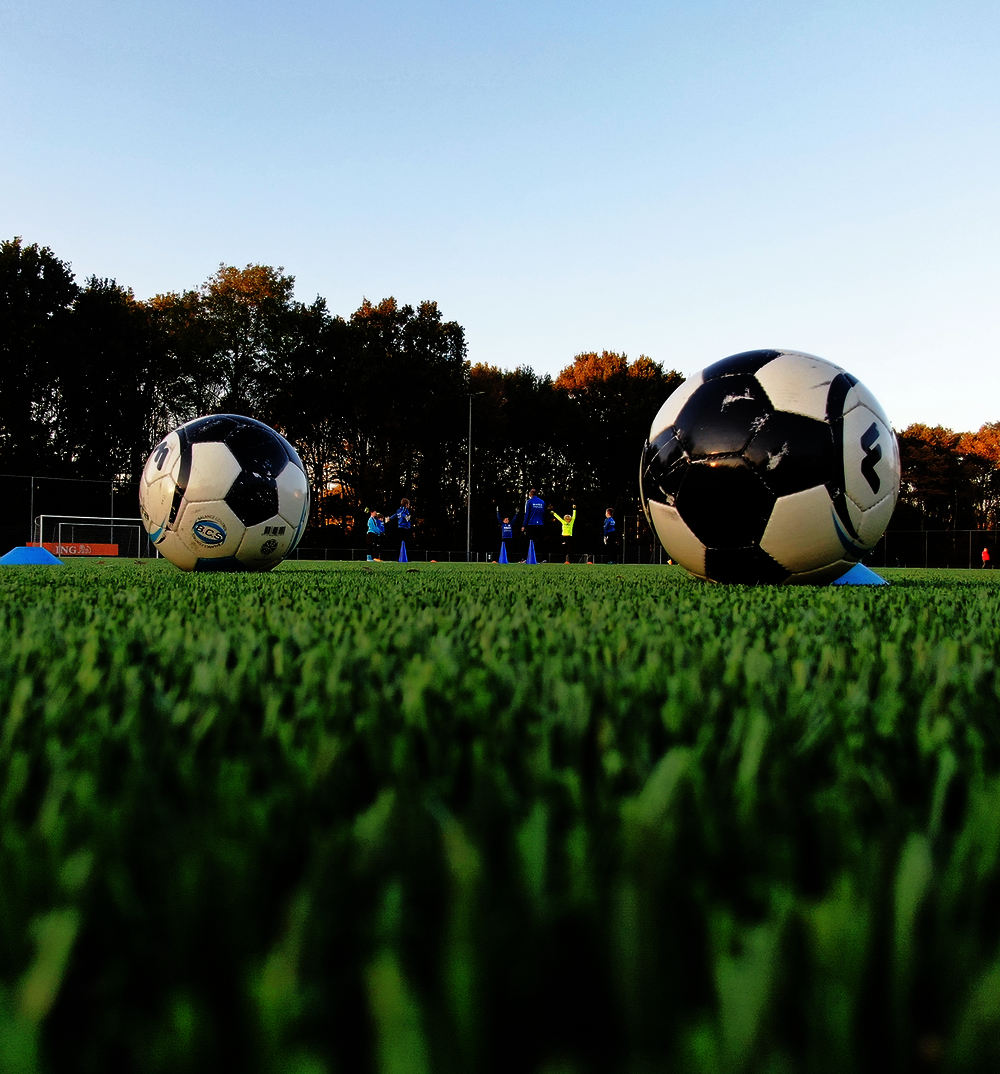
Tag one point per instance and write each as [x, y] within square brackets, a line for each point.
[503, 552]
[402, 552]
[859, 574]
[531, 552]
[30, 555]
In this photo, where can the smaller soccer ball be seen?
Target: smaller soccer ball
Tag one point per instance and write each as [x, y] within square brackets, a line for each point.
[224, 493]
[770, 466]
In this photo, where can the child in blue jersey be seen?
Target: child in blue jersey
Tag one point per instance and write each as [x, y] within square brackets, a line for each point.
[610, 536]
[507, 525]
[404, 522]
[373, 538]
[534, 520]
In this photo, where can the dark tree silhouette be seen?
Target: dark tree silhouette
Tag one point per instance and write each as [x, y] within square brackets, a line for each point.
[110, 396]
[37, 291]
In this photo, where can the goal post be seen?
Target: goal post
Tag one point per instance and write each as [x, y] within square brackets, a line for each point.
[93, 535]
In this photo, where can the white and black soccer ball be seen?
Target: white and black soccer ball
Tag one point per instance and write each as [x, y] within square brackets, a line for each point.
[770, 467]
[224, 493]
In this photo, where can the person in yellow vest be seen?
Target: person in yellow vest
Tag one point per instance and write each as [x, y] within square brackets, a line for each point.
[567, 531]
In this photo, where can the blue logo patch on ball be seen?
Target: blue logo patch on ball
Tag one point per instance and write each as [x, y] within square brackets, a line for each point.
[209, 532]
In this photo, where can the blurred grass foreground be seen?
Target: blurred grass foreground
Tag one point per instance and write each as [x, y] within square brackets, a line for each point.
[476, 818]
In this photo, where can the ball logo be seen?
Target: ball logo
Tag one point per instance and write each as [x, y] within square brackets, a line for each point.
[873, 453]
[209, 532]
[268, 547]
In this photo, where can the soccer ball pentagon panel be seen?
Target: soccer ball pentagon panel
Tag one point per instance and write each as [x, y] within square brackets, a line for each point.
[770, 467]
[224, 493]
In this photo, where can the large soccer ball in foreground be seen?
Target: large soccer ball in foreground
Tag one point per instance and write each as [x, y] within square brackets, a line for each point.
[770, 466]
[224, 493]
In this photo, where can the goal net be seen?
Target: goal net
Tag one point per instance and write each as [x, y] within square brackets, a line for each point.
[85, 535]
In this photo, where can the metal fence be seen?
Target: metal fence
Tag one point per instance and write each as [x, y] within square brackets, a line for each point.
[961, 549]
[935, 548]
[898, 548]
[637, 542]
[26, 497]
[420, 555]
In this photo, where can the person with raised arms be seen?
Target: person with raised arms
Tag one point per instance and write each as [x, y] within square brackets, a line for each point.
[566, 522]
[507, 525]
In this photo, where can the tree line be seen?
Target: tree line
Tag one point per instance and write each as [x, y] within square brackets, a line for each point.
[377, 403]
[950, 480]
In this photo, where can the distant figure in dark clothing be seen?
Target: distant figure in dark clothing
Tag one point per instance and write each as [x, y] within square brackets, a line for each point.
[610, 536]
[534, 520]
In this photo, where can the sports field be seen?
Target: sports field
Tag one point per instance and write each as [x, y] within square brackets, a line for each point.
[371, 817]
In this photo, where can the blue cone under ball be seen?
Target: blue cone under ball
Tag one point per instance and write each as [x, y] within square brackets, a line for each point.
[503, 552]
[531, 552]
[859, 574]
[402, 552]
[30, 557]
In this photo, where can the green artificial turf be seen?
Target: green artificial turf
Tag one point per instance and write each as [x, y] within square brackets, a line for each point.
[371, 817]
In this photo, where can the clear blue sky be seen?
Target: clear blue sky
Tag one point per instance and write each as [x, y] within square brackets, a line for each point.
[683, 180]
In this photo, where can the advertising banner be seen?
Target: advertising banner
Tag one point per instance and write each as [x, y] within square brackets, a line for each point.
[79, 548]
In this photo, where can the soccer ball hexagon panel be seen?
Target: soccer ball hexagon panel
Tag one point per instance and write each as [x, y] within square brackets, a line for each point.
[224, 493]
[770, 467]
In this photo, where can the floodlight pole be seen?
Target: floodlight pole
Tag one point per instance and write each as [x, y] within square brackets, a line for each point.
[468, 497]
